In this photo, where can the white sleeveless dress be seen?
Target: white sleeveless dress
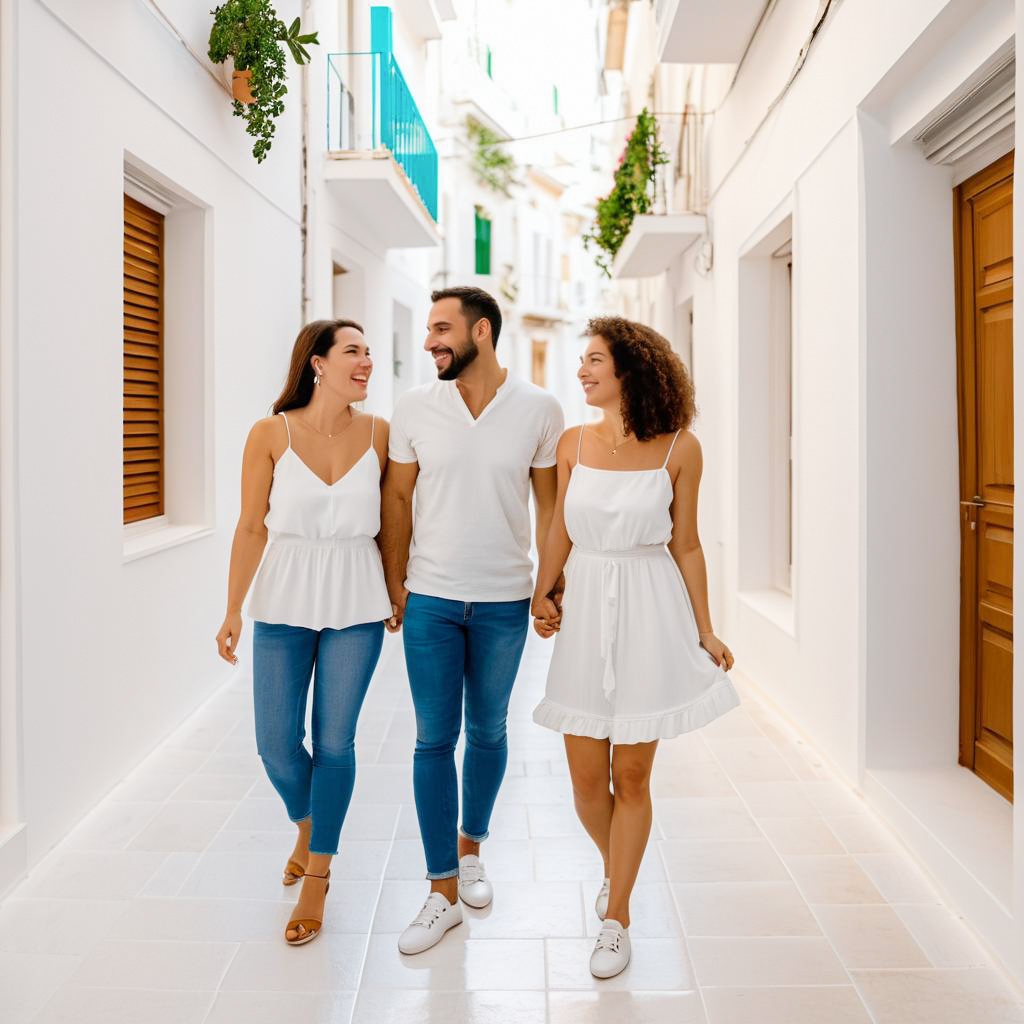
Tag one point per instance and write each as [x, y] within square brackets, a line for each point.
[627, 664]
[322, 568]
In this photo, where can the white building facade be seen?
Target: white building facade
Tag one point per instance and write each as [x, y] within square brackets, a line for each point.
[187, 261]
[506, 89]
[374, 235]
[108, 612]
[855, 357]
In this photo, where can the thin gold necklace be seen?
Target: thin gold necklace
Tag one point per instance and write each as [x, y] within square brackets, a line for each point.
[330, 437]
[625, 440]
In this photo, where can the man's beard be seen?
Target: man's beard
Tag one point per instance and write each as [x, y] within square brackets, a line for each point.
[460, 360]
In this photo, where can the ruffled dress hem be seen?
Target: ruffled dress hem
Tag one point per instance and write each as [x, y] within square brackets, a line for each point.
[664, 725]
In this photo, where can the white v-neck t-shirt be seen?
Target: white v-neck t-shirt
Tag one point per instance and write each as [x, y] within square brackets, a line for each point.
[471, 521]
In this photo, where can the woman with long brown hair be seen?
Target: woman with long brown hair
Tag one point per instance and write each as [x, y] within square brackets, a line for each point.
[311, 479]
[636, 659]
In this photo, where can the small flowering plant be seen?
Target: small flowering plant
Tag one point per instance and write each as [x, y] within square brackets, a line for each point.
[632, 192]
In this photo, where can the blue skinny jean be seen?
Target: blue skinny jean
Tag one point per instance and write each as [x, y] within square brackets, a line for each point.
[284, 659]
[459, 652]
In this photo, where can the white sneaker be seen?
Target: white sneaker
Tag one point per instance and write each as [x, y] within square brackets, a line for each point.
[474, 888]
[430, 925]
[601, 904]
[611, 951]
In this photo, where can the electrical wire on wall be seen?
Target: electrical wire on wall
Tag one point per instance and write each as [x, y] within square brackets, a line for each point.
[608, 120]
[304, 297]
[156, 9]
[825, 7]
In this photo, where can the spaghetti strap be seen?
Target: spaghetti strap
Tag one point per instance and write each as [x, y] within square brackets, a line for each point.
[373, 427]
[287, 427]
[670, 447]
[579, 445]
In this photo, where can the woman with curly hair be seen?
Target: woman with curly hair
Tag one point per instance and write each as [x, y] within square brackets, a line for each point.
[636, 659]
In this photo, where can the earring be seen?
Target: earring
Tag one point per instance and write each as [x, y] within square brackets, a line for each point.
[316, 379]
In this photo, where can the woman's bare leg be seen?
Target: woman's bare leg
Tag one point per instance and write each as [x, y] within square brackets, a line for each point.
[314, 892]
[590, 771]
[300, 854]
[631, 822]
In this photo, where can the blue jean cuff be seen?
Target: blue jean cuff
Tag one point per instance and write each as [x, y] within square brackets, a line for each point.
[435, 876]
[324, 853]
[305, 817]
[473, 839]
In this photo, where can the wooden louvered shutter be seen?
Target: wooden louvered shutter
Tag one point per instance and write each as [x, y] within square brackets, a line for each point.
[143, 362]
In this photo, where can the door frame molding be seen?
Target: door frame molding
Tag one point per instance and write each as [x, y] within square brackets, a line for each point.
[13, 833]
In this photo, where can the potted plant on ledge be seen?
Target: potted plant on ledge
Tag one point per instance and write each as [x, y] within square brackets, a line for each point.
[632, 192]
[250, 32]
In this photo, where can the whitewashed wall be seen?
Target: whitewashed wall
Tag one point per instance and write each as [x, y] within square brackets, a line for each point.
[868, 667]
[114, 654]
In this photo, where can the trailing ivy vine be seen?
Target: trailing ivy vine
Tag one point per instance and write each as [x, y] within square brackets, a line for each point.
[632, 192]
[251, 32]
[493, 165]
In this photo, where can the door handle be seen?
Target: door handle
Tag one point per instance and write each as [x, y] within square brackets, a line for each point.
[976, 502]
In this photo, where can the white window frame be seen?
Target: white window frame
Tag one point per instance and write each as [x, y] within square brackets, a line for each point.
[781, 313]
[768, 554]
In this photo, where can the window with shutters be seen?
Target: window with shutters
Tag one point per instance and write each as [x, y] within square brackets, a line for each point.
[143, 438]
[168, 399]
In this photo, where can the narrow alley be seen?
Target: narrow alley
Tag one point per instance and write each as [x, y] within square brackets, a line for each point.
[770, 894]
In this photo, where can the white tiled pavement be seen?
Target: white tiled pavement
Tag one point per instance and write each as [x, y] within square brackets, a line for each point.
[769, 895]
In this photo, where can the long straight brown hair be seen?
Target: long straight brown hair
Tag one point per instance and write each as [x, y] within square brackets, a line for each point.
[315, 339]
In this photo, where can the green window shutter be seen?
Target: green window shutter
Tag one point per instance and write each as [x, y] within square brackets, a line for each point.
[483, 243]
[490, 69]
[554, 97]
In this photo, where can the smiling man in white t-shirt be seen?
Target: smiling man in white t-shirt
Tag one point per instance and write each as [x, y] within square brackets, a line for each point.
[468, 446]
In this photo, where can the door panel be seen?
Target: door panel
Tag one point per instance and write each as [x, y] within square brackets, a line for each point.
[984, 209]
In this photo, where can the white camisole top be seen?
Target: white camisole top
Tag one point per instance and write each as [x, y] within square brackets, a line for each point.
[322, 568]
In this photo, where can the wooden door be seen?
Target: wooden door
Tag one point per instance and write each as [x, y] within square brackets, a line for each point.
[984, 241]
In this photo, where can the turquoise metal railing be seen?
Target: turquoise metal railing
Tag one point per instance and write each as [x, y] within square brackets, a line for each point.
[390, 118]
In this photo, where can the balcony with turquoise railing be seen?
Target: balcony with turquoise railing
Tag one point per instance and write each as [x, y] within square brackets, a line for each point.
[381, 166]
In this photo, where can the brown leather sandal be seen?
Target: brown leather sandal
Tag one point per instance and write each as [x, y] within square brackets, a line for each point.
[293, 872]
[310, 925]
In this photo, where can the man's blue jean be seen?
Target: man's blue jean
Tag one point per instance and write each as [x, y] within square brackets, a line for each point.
[283, 661]
[453, 651]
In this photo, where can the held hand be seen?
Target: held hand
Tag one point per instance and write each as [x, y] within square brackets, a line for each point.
[398, 601]
[227, 637]
[547, 617]
[557, 591]
[719, 652]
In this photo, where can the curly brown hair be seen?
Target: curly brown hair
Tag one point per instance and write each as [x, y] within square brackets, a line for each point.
[657, 392]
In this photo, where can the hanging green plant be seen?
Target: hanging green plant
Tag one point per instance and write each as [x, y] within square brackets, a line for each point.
[250, 32]
[493, 165]
[632, 192]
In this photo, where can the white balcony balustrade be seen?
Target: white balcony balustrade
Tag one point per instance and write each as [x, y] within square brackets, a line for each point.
[705, 31]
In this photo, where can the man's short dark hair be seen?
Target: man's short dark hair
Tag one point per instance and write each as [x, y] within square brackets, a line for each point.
[476, 305]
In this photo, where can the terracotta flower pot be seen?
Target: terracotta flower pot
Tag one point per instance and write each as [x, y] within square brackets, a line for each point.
[241, 86]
